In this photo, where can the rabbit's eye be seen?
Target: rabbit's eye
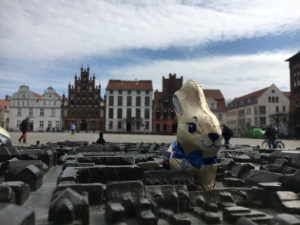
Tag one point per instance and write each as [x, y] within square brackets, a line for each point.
[192, 127]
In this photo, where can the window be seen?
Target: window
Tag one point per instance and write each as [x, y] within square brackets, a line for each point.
[50, 124]
[220, 117]
[138, 92]
[129, 92]
[128, 113]
[119, 125]
[23, 96]
[110, 113]
[111, 91]
[147, 113]
[57, 124]
[18, 112]
[52, 112]
[120, 92]
[41, 112]
[138, 101]
[147, 101]
[110, 125]
[277, 109]
[129, 103]
[138, 113]
[41, 124]
[119, 113]
[283, 108]
[270, 99]
[276, 99]
[120, 100]
[147, 92]
[212, 105]
[111, 100]
[30, 112]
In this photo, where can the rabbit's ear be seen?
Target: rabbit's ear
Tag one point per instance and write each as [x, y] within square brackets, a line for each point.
[176, 105]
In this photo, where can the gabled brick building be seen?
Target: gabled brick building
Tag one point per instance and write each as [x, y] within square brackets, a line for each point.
[294, 65]
[164, 117]
[84, 105]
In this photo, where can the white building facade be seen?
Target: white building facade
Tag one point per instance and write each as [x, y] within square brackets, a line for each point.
[44, 110]
[259, 109]
[129, 106]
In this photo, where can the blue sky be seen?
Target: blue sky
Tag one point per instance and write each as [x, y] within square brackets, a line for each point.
[236, 46]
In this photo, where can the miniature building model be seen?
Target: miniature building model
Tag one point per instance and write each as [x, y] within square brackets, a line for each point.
[294, 65]
[84, 106]
[129, 106]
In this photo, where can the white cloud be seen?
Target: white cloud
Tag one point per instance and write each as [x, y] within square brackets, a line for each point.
[234, 75]
[54, 29]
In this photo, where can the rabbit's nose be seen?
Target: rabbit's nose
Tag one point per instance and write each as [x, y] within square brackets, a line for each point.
[213, 136]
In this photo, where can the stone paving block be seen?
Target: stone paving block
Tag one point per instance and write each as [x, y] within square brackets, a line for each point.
[11, 214]
[144, 212]
[245, 221]
[255, 177]
[229, 211]
[20, 189]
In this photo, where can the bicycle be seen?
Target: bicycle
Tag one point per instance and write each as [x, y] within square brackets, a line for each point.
[278, 144]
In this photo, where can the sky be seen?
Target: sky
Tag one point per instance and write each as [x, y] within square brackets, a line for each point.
[236, 46]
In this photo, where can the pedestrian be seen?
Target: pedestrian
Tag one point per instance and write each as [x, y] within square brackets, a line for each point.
[73, 127]
[227, 134]
[24, 128]
[271, 136]
[101, 139]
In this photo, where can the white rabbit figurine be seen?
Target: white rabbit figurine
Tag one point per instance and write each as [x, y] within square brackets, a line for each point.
[199, 136]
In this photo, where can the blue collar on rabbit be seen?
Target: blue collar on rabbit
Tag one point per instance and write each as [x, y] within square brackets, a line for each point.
[195, 157]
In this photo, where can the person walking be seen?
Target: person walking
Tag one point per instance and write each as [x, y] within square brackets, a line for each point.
[271, 136]
[24, 128]
[227, 134]
[73, 127]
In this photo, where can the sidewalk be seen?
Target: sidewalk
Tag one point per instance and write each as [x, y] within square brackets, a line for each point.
[45, 137]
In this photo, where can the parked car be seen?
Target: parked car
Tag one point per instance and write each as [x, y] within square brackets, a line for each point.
[255, 132]
[4, 138]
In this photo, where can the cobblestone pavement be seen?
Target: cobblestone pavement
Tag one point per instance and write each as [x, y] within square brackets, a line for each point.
[44, 138]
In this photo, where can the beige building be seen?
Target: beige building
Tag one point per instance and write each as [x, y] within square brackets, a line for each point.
[4, 113]
[259, 109]
[129, 106]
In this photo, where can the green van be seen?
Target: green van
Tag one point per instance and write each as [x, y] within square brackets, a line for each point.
[255, 132]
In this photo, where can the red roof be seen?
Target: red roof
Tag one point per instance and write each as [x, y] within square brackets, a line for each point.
[217, 95]
[4, 105]
[129, 85]
[248, 99]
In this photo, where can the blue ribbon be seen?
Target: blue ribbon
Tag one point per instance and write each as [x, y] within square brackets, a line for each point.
[195, 157]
